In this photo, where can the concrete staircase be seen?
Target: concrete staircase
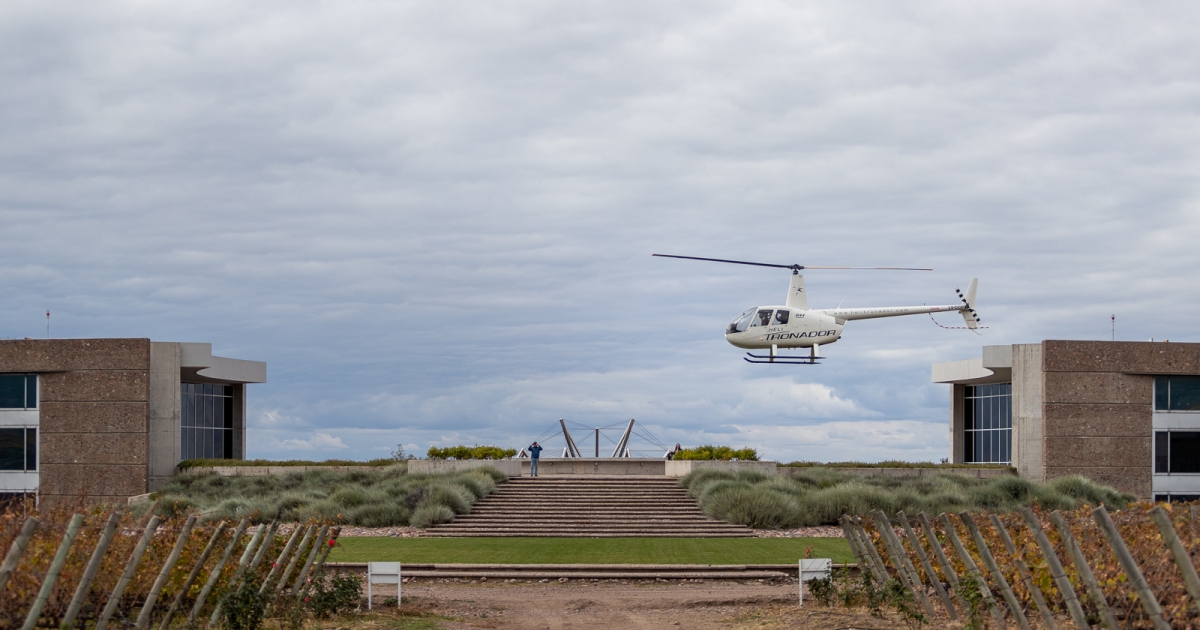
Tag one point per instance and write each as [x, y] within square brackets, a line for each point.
[589, 506]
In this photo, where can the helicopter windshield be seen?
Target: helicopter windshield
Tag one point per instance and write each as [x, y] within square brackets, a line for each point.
[762, 318]
[740, 323]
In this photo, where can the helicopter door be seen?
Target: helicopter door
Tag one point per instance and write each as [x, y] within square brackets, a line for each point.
[762, 318]
[781, 318]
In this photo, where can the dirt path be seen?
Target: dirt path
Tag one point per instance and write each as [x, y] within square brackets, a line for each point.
[618, 606]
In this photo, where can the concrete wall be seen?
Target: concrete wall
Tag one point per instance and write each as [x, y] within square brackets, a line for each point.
[1098, 407]
[510, 467]
[679, 468]
[957, 426]
[164, 413]
[1027, 454]
[95, 399]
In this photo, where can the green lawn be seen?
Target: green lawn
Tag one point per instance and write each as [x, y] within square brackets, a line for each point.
[588, 550]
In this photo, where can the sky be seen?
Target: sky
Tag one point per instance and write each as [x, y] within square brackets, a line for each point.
[434, 220]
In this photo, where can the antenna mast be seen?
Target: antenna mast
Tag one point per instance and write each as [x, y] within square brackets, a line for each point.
[1114, 327]
[47, 324]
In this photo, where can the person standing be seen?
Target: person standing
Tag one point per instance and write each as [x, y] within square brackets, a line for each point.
[535, 452]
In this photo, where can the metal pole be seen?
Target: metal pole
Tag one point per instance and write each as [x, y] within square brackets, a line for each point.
[1025, 573]
[937, 584]
[973, 569]
[130, 568]
[1132, 570]
[989, 561]
[56, 566]
[1182, 559]
[624, 441]
[16, 549]
[93, 567]
[1085, 572]
[571, 447]
[191, 578]
[1056, 570]
[597, 442]
[143, 619]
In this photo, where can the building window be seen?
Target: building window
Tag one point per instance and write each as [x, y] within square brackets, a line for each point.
[987, 423]
[1181, 498]
[1177, 451]
[206, 419]
[1177, 393]
[18, 449]
[18, 391]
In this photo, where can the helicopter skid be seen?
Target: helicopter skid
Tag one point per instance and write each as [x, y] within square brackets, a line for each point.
[791, 360]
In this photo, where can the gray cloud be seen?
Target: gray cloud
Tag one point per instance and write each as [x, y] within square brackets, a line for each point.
[434, 220]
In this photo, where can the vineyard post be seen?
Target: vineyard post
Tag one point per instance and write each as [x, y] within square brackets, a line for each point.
[1178, 551]
[866, 563]
[56, 565]
[1085, 572]
[130, 568]
[283, 555]
[216, 572]
[312, 556]
[859, 554]
[1056, 570]
[904, 568]
[283, 577]
[16, 549]
[143, 619]
[1014, 605]
[1132, 570]
[936, 545]
[1026, 574]
[871, 550]
[326, 548]
[262, 549]
[973, 569]
[93, 567]
[937, 584]
[236, 580]
[1194, 511]
[191, 578]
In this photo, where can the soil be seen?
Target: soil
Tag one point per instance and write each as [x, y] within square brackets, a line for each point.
[609, 605]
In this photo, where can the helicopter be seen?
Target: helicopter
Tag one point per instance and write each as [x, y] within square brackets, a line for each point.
[794, 325]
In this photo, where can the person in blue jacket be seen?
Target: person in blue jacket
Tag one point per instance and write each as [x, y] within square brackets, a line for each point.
[535, 451]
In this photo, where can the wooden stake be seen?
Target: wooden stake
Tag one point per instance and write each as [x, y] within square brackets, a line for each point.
[130, 569]
[312, 556]
[216, 572]
[93, 567]
[1014, 605]
[283, 577]
[326, 548]
[1085, 572]
[1182, 559]
[871, 550]
[973, 569]
[1132, 570]
[56, 565]
[143, 619]
[283, 555]
[904, 568]
[16, 549]
[1025, 573]
[1056, 570]
[924, 560]
[236, 580]
[262, 549]
[860, 553]
[936, 546]
[191, 578]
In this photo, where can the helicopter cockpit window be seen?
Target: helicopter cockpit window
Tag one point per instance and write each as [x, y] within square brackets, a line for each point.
[762, 318]
[781, 317]
[740, 323]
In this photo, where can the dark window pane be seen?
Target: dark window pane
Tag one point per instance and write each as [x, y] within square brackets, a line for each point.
[968, 414]
[218, 412]
[996, 420]
[205, 443]
[1185, 393]
[1185, 451]
[227, 390]
[1161, 402]
[1008, 445]
[980, 419]
[31, 391]
[969, 447]
[1184, 498]
[969, 391]
[218, 444]
[1162, 498]
[31, 449]
[207, 413]
[12, 449]
[228, 435]
[1006, 412]
[229, 413]
[12, 391]
[1161, 459]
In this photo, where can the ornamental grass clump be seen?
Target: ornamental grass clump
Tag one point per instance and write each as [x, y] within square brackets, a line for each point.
[820, 496]
[364, 497]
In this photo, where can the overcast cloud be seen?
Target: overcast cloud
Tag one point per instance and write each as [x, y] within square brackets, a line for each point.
[434, 220]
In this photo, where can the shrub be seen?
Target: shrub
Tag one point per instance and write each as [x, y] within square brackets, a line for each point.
[479, 485]
[431, 514]
[335, 595]
[245, 607]
[455, 497]
[755, 507]
[470, 452]
[386, 514]
[724, 453]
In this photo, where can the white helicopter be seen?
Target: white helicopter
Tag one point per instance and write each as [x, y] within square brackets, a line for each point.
[793, 325]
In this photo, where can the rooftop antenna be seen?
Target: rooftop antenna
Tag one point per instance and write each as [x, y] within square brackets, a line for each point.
[1114, 327]
[47, 324]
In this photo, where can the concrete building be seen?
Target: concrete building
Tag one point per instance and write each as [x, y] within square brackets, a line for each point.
[1126, 414]
[111, 418]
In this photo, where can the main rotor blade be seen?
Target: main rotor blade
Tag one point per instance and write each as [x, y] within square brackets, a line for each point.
[736, 262]
[758, 264]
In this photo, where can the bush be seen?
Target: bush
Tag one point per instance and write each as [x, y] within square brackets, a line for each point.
[455, 497]
[470, 452]
[379, 515]
[432, 514]
[756, 507]
[335, 595]
[724, 453]
[245, 607]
